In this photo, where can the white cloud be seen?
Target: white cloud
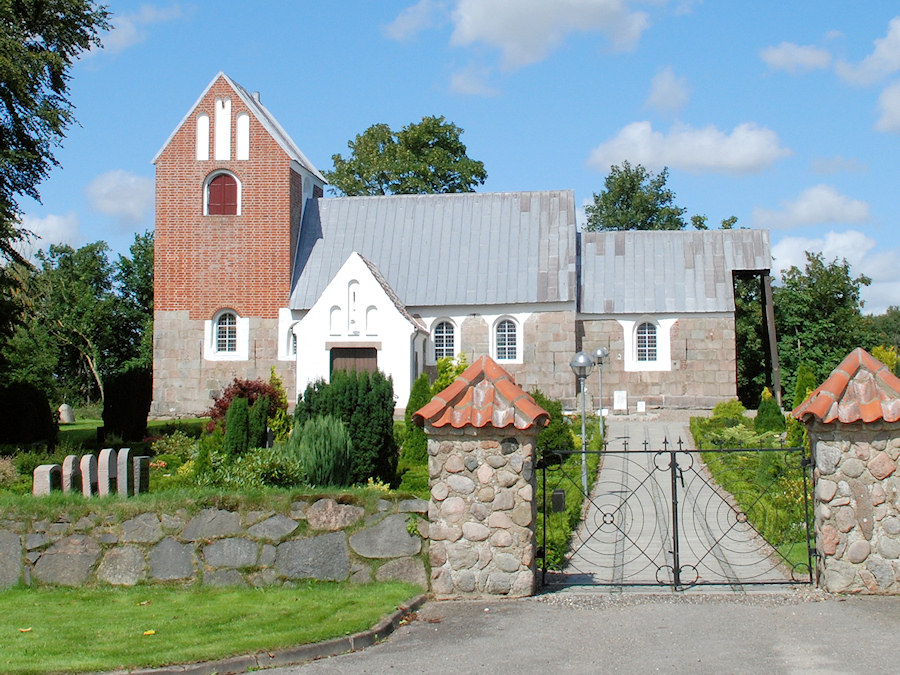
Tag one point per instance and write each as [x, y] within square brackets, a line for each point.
[526, 31]
[796, 58]
[748, 148]
[889, 106]
[413, 20]
[882, 62]
[128, 29]
[860, 251]
[818, 205]
[471, 82]
[123, 195]
[51, 229]
[668, 92]
[837, 164]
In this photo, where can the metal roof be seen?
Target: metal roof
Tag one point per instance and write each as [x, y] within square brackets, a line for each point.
[653, 272]
[265, 118]
[445, 249]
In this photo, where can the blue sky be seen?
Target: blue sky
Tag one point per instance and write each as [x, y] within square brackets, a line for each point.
[786, 115]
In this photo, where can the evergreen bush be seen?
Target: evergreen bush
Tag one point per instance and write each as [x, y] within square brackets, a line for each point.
[768, 415]
[250, 390]
[364, 402]
[257, 429]
[25, 415]
[805, 383]
[415, 447]
[237, 423]
[557, 435]
[126, 403]
[325, 452]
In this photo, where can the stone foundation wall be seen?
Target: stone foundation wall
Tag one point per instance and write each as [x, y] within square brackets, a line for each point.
[482, 512]
[184, 383]
[321, 540]
[704, 364]
[857, 506]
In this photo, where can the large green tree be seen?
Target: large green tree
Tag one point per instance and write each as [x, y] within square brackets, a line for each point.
[818, 317]
[84, 318]
[634, 198]
[421, 158]
[39, 40]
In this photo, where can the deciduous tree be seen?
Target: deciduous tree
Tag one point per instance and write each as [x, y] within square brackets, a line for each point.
[635, 199]
[422, 158]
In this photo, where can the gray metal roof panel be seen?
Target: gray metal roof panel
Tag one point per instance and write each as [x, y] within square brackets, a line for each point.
[642, 272]
[453, 249]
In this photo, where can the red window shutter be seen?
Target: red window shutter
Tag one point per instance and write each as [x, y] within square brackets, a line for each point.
[222, 197]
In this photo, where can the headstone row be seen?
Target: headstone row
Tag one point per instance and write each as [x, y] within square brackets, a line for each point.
[112, 473]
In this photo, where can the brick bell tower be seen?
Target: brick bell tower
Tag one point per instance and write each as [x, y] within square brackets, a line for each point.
[231, 187]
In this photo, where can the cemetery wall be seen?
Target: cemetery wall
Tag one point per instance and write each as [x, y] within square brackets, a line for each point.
[317, 539]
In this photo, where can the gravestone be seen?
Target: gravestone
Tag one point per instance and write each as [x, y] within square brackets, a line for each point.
[107, 471]
[141, 480]
[66, 414]
[71, 474]
[47, 478]
[124, 473]
[620, 401]
[89, 477]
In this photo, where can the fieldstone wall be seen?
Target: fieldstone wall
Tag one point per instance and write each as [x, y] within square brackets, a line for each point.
[322, 539]
[704, 363]
[857, 506]
[482, 512]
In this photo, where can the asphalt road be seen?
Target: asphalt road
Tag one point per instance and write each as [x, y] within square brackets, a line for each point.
[785, 632]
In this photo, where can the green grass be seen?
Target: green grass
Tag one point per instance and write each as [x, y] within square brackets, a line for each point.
[78, 630]
[84, 431]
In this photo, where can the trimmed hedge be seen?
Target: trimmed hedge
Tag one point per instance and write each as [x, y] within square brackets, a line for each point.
[25, 415]
[126, 403]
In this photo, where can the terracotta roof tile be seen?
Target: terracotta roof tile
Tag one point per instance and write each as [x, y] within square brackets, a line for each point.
[484, 394]
[860, 388]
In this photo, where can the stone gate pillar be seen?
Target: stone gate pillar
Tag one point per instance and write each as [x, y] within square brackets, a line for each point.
[853, 420]
[481, 439]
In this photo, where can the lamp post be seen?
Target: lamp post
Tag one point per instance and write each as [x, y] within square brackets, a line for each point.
[600, 355]
[582, 364]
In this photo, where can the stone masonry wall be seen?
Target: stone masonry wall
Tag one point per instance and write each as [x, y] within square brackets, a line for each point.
[482, 512]
[184, 383]
[704, 364]
[319, 539]
[857, 506]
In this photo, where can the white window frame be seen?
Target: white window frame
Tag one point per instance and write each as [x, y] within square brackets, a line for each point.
[208, 180]
[211, 350]
[643, 349]
[663, 361]
[495, 347]
[454, 346]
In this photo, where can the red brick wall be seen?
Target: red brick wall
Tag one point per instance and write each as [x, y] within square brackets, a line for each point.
[205, 263]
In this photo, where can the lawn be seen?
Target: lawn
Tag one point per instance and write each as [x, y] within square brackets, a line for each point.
[77, 630]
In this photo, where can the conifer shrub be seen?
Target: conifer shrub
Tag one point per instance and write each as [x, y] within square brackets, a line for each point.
[248, 389]
[364, 402]
[325, 451]
[415, 446]
[257, 427]
[557, 435]
[768, 416]
[25, 415]
[237, 423]
[126, 403]
[805, 383]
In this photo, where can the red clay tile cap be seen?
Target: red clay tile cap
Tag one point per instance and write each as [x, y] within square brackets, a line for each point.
[861, 388]
[483, 395]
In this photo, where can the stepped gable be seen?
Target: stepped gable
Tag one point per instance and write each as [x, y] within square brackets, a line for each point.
[485, 394]
[862, 388]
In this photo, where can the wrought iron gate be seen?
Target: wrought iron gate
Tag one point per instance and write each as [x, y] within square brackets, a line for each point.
[678, 518]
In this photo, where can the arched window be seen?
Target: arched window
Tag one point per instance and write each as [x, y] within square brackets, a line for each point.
[223, 195]
[444, 340]
[226, 332]
[507, 342]
[645, 343]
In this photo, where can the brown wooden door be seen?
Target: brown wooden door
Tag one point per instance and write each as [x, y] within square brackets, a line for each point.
[360, 359]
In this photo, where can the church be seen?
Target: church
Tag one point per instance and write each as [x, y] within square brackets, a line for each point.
[255, 269]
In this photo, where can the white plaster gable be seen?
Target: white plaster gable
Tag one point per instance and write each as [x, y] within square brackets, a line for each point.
[357, 308]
